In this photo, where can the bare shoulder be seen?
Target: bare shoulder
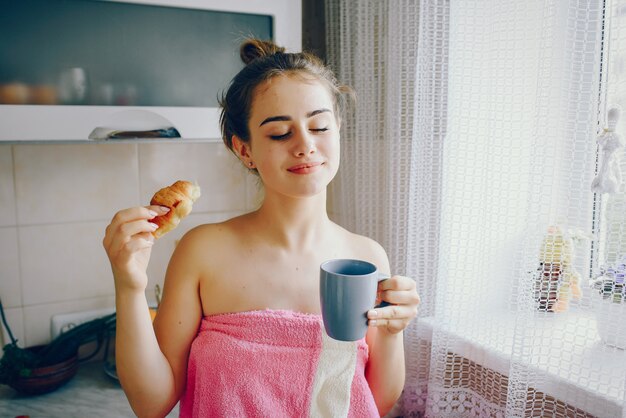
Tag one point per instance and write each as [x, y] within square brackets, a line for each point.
[207, 234]
[365, 248]
[208, 244]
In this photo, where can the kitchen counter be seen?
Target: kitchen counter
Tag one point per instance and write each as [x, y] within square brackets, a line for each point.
[91, 393]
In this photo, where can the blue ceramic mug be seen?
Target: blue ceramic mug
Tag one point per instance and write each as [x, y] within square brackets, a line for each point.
[347, 291]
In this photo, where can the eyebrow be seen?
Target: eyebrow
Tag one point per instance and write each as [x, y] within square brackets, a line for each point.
[287, 118]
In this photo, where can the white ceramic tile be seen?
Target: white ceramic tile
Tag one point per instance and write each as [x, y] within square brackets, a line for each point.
[254, 192]
[220, 175]
[10, 289]
[37, 318]
[164, 248]
[15, 319]
[7, 194]
[63, 262]
[74, 182]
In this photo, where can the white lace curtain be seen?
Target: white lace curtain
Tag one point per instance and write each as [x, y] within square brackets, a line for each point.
[470, 157]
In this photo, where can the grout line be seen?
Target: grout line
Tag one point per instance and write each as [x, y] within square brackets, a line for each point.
[17, 242]
[17, 233]
[139, 190]
[77, 222]
[65, 301]
[107, 220]
[17, 221]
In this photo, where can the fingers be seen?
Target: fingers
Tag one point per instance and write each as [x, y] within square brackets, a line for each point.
[135, 227]
[121, 251]
[392, 312]
[394, 318]
[139, 212]
[391, 325]
[398, 290]
[140, 242]
[130, 231]
[401, 293]
[125, 222]
[397, 283]
[160, 210]
[400, 297]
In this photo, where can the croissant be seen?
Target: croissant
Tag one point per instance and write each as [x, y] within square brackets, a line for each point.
[179, 197]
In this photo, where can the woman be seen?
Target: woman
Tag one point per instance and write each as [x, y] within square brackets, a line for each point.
[238, 331]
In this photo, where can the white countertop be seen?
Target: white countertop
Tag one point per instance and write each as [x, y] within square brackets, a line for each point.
[91, 393]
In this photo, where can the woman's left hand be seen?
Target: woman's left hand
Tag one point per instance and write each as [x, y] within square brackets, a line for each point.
[400, 292]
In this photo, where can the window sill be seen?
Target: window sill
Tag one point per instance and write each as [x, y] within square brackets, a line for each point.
[597, 389]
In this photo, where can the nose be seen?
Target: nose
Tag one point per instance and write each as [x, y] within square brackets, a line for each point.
[304, 144]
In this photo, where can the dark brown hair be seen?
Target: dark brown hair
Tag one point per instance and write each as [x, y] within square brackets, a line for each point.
[265, 60]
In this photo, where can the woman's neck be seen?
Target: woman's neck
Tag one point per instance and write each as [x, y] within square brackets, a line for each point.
[293, 222]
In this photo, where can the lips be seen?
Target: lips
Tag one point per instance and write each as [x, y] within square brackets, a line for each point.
[305, 168]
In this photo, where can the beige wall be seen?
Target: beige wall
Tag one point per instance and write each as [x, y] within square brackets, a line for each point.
[56, 200]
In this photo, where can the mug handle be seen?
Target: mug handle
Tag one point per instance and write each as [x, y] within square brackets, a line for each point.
[382, 277]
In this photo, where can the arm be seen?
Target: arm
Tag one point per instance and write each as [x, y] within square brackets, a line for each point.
[149, 376]
[385, 370]
[180, 312]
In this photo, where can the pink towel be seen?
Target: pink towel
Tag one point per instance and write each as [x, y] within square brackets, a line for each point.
[274, 363]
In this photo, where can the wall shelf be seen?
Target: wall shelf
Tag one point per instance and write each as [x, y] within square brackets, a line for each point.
[59, 89]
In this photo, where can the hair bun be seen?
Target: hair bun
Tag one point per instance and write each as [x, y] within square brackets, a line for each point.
[252, 49]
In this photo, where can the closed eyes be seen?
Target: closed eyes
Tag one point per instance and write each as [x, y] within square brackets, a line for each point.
[286, 135]
[278, 137]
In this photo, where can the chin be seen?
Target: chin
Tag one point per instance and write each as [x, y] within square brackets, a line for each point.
[307, 189]
[308, 192]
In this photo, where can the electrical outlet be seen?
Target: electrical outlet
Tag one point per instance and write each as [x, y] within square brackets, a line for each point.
[63, 322]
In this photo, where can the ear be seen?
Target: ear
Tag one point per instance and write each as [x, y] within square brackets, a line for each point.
[242, 150]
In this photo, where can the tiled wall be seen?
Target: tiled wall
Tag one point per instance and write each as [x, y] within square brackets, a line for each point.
[56, 200]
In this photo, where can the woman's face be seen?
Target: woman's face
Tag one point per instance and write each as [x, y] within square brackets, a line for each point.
[294, 135]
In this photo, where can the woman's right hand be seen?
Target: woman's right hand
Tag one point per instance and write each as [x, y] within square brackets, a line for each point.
[128, 242]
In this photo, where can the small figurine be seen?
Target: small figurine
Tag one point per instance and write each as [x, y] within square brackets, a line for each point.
[557, 279]
[609, 177]
[611, 283]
